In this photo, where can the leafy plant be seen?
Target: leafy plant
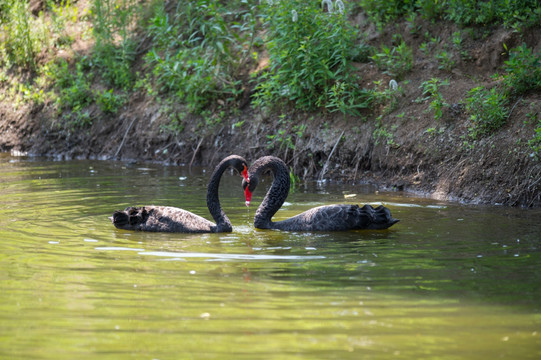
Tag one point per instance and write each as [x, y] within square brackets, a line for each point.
[381, 133]
[383, 95]
[200, 50]
[115, 50]
[523, 70]
[23, 36]
[310, 52]
[395, 61]
[109, 102]
[431, 92]
[516, 14]
[488, 109]
[74, 88]
[445, 60]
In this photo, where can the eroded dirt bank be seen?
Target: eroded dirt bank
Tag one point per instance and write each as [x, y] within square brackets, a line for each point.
[410, 150]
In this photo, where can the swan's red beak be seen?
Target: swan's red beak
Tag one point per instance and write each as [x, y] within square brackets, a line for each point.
[245, 174]
[248, 196]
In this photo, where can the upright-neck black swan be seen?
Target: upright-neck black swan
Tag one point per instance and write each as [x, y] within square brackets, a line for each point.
[171, 219]
[322, 218]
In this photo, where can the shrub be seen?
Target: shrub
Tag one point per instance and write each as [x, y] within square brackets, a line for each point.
[523, 70]
[199, 50]
[75, 93]
[510, 13]
[310, 51]
[114, 52]
[488, 109]
[23, 35]
[109, 102]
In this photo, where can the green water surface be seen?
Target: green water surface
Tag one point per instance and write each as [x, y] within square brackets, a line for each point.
[448, 282]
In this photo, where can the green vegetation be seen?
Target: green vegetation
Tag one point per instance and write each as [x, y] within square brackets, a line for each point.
[199, 59]
[523, 70]
[23, 36]
[395, 61]
[431, 92]
[488, 110]
[510, 13]
[382, 134]
[310, 51]
[199, 52]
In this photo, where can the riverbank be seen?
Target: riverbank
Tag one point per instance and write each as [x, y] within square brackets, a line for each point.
[416, 137]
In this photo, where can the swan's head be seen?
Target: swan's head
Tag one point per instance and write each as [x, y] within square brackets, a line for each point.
[249, 184]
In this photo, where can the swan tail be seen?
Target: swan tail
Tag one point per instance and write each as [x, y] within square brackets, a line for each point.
[381, 217]
[129, 219]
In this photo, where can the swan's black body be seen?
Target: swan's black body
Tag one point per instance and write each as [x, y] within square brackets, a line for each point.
[172, 219]
[340, 217]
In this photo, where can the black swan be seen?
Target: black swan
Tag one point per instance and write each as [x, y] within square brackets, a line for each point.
[322, 218]
[172, 219]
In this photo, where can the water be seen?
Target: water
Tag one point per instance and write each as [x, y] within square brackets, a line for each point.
[447, 282]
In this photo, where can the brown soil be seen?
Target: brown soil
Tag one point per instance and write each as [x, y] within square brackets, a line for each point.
[497, 170]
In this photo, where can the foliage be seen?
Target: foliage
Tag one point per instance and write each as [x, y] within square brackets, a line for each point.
[395, 61]
[310, 51]
[510, 13]
[381, 133]
[488, 109]
[109, 102]
[445, 60]
[388, 96]
[431, 92]
[23, 35]
[523, 70]
[198, 52]
[74, 88]
[114, 51]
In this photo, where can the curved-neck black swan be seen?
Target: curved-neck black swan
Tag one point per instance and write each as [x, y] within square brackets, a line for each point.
[172, 219]
[340, 217]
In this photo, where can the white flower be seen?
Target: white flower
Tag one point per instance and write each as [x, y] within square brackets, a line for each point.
[393, 84]
[329, 5]
[294, 16]
[340, 6]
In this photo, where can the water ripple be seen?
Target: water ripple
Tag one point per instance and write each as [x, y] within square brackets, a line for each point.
[230, 256]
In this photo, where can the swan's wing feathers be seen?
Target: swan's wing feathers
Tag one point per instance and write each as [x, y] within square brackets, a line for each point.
[325, 218]
[161, 219]
[340, 217]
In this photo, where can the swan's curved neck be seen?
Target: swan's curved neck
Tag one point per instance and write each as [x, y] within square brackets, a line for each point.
[213, 200]
[277, 194]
